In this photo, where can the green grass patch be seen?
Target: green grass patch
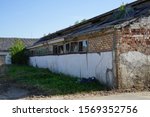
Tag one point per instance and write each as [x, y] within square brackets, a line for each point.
[51, 83]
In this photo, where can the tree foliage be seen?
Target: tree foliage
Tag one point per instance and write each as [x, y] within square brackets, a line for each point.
[18, 53]
[77, 22]
[122, 7]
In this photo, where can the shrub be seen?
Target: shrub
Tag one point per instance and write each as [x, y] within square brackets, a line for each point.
[18, 53]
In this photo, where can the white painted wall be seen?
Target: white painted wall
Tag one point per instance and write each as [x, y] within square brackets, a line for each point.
[7, 57]
[79, 65]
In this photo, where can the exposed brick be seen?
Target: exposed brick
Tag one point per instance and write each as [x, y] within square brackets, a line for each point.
[130, 40]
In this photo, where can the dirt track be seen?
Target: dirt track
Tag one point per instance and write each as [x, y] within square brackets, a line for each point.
[13, 93]
[19, 93]
[88, 96]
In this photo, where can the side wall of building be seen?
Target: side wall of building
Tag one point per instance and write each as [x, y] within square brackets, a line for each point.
[96, 62]
[133, 51]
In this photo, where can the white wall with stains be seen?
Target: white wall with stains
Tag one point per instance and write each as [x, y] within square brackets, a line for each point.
[98, 65]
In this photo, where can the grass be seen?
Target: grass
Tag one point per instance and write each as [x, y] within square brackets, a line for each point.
[46, 81]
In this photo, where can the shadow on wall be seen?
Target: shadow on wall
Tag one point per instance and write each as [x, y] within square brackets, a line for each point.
[110, 80]
[104, 71]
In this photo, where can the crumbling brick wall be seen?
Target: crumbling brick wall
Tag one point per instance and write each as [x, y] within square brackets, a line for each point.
[133, 52]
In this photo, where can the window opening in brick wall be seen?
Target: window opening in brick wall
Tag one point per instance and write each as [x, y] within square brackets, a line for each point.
[83, 46]
[55, 50]
[74, 46]
[67, 48]
[60, 49]
[50, 49]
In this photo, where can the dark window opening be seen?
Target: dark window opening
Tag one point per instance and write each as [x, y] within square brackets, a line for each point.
[83, 46]
[74, 47]
[55, 51]
[67, 48]
[60, 49]
[50, 49]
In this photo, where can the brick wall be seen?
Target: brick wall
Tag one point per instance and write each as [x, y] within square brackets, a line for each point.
[135, 40]
[101, 43]
[133, 55]
[97, 41]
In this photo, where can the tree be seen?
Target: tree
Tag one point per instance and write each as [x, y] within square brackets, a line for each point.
[18, 53]
[122, 7]
[77, 22]
[83, 20]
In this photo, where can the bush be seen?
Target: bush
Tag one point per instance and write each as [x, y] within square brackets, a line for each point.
[18, 53]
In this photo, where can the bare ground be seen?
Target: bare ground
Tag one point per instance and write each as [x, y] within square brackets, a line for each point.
[111, 95]
[24, 94]
[8, 92]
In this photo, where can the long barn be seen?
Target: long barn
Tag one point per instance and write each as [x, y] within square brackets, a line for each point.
[113, 47]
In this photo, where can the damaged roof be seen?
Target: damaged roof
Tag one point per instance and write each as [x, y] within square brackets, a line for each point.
[6, 43]
[117, 16]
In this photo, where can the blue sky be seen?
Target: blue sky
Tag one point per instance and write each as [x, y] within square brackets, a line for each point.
[34, 18]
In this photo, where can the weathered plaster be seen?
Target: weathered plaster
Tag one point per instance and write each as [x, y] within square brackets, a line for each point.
[134, 68]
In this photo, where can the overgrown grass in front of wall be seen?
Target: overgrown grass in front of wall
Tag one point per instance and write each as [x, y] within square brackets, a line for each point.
[51, 83]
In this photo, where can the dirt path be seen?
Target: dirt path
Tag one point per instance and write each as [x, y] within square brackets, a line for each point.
[19, 93]
[145, 95]
[13, 93]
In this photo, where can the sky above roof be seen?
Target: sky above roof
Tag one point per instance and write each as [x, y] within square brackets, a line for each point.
[36, 18]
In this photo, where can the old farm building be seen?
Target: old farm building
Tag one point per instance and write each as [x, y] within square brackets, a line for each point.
[6, 43]
[113, 47]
